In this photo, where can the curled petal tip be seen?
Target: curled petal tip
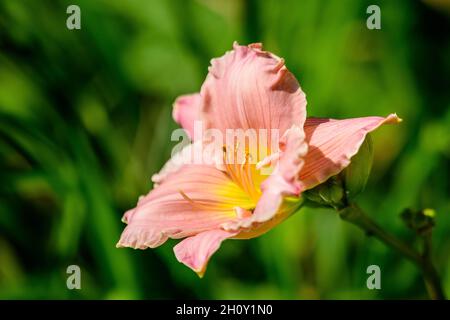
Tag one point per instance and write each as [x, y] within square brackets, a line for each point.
[257, 45]
[279, 65]
[200, 273]
[393, 118]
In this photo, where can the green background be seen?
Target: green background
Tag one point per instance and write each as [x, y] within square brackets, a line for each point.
[85, 120]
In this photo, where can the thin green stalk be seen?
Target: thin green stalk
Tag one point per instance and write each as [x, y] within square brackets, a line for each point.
[431, 276]
[355, 215]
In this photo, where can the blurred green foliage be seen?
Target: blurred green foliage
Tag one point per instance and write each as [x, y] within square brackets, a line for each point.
[85, 120]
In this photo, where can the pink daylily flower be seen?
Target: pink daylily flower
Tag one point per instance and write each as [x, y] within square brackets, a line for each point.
[247, 88]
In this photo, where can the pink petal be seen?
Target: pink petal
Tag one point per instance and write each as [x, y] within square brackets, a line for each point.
[196, 251]
[332, 143]
[282, 183]
[194, 199]
[251, 88]
[186, 110]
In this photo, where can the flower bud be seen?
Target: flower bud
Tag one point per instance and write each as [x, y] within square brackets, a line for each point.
[355, 176]
[338, 190]
[421, 221]
[328, 194]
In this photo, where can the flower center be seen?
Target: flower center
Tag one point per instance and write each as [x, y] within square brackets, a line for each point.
[240, 166]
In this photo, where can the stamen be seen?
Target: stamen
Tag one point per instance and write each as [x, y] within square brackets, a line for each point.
[250, 178]
[201, 206]
[229, 168]
[241, 170]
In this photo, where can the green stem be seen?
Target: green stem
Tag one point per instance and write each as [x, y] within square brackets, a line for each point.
[355, 215]
[431, 276]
